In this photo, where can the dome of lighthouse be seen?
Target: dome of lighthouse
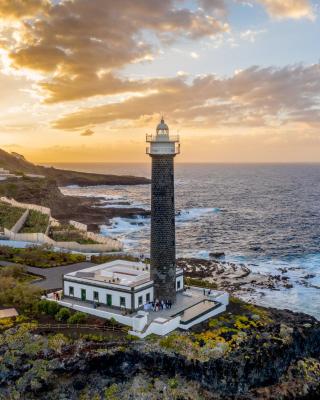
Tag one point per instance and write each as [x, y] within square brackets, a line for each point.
[162, 128]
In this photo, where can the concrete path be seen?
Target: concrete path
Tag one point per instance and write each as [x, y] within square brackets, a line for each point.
[52, 276]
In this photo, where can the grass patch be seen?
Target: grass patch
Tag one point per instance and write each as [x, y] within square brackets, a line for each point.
[40, 257]
[111, 257]
[199, 283]
[9, 215]
[67, 233]
[35, 223]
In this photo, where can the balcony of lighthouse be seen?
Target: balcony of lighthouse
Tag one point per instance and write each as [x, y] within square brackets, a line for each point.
[163, 144]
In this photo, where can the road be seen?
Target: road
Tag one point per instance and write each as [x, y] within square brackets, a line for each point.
[52, 276]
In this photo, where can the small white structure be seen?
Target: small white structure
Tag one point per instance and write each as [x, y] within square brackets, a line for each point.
[4, 174]
[118, 284]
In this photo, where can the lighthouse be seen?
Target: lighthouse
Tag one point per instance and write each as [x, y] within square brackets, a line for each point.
[162, 149]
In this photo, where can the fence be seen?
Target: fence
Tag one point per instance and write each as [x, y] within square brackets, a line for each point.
[81, 326]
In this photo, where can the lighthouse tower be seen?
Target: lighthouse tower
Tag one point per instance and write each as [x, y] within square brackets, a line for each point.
[162, 149]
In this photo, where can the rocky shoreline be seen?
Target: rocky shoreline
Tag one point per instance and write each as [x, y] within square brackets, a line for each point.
[238, 279]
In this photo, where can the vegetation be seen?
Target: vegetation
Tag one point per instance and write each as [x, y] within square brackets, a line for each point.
[60, 313]
[9, 215]
[111, 257]
[220, 335]
[77, 318]
[63, 315]
[200, 283]
[36, 222]
[68, 233]
[15, 290]
[39, 256]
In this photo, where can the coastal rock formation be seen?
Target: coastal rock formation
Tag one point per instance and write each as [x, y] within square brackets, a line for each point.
[46, 191]
[279, 359]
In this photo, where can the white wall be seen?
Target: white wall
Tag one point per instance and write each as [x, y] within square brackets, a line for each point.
[214, 312]
[43, 210]
[143, 293]
[102, 293]
[160, 329]
[179, 279]
[122, 319]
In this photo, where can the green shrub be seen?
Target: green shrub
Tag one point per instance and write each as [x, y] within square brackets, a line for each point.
[48, 307]
[63, 314]
[77, 318]
[173, 383]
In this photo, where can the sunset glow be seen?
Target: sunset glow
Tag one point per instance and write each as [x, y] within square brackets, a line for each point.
[84, 80]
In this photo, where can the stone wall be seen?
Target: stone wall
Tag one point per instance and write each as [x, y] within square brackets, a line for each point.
[43, 210]
[104, 244]
[163, 253]
[19, 224]
[79, 225]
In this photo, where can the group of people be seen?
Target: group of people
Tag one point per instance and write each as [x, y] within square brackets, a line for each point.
[56, 296]
[159, 305]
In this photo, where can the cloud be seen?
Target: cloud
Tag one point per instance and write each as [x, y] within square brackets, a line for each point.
[252, 97]
[87, 132]
[194, 55]
[15, 9]
[288, 8]
[80, 45]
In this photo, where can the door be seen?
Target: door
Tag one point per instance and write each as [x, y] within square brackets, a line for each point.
[83, 294]
[109, 300]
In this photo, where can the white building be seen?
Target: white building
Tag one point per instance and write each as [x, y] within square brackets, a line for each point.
[118, 284]
[4, 174]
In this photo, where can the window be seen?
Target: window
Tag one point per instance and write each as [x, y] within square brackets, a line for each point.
[140, 301]
[96, 296]
[147, 297]
[178, 285]
[109, 300]
[122, 301]
[71, 291]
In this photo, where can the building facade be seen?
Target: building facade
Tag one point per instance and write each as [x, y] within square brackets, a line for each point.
[162, 150]
[118, 284]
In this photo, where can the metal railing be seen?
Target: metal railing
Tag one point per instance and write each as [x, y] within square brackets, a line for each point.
[162, 138]
[81, 326]
[175, 150]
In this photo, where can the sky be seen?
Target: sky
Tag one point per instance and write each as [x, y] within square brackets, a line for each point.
[85, 80]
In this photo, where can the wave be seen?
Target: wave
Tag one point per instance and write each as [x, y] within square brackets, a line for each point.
[189, 214]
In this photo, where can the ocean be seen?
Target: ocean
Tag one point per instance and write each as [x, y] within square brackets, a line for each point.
[267, 216]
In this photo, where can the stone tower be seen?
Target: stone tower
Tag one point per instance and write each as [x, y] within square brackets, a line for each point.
[162, 150]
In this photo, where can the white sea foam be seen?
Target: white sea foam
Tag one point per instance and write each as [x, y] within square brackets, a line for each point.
[190, 214]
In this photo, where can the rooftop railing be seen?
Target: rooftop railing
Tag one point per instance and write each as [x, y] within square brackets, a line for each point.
[162, 138]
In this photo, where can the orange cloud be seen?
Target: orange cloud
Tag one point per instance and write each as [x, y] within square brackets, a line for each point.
[288, 8]
[80, 45]
[253, 97]
[16, 9]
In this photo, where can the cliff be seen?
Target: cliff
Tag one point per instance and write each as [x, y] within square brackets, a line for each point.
[276, 359]
[18, 164]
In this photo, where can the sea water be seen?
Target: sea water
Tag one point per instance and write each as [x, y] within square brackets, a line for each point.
[267, 216]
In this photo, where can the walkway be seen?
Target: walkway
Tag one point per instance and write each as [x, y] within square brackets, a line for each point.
[52, 276]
